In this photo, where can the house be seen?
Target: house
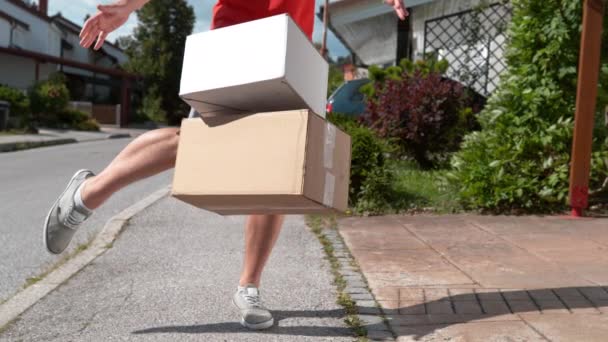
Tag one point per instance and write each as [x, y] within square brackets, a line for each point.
[469, 34]
[33, 45]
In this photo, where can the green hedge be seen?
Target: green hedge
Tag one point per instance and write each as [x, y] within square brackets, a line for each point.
[371, 175]
[20, 104]
[519, 161]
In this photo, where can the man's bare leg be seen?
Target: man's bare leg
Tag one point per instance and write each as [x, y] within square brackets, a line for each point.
[261, 233]
[149, 154]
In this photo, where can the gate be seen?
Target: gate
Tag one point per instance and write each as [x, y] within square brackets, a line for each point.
[473, 42]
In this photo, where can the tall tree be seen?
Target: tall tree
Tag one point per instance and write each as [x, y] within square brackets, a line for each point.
[156, 52]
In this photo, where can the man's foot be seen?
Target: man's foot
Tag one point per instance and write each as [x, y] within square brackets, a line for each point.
[66, 215]
[253, 314]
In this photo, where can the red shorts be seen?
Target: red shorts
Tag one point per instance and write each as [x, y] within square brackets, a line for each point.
[232, 12]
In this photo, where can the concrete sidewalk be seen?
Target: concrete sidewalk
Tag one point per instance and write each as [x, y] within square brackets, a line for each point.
[486, 278]
[49, 137]
[170, 277]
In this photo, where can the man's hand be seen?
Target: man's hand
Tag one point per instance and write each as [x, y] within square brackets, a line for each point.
[109, 18]
[400, 9]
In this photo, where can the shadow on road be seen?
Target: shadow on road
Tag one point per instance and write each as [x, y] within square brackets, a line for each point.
[234, 327]
[453, 309]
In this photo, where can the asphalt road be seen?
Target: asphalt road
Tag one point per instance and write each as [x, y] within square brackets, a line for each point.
[170, 276]
[30, 182]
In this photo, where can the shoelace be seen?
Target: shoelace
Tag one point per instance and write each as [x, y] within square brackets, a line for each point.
[253, 300]
[73, 219]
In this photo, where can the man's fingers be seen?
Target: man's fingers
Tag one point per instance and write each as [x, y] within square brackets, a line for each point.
[111, 8]
[89, 39]
[100, 40]
[91, 22]
[401, 11]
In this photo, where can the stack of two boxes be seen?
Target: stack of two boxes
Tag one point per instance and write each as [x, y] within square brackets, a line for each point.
[255, 150]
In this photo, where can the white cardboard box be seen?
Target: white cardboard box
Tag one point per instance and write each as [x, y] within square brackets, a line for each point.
[260, 66]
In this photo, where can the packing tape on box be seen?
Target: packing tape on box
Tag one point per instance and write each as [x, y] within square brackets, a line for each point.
[330, 186]
[330, 146]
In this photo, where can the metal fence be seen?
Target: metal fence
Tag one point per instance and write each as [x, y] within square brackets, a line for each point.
[473, 42]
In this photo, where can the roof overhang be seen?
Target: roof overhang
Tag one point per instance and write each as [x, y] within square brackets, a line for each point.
[367, 28]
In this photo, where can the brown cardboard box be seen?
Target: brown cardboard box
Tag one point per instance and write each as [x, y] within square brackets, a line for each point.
[268, 163]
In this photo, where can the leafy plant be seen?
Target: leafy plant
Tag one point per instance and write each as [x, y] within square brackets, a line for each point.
[152, 107]
[76, 119]
[371, 175]
[423, 112]
[519, 161]
[379, 75]
[49, 98]
[19, 102]
[156, 51]
[335, 78]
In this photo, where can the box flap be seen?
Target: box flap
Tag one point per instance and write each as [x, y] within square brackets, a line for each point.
[301, 52]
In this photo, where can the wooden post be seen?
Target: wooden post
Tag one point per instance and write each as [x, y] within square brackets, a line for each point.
[325, 24]
[588, 75]
[125, 101]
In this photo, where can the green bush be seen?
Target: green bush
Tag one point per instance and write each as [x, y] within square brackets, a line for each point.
[371, 177]
[425, 113]
[335, 78]
[48, 99]
[75, 119]
[88, 125]
[19, 102]
[379, 75]
[519, 161]
[151, 107]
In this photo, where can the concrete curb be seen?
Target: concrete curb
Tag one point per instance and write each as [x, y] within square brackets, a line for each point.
[16, 305]
[26, 145]
[370, 312]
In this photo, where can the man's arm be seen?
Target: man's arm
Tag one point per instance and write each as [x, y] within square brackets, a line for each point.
[109, 18]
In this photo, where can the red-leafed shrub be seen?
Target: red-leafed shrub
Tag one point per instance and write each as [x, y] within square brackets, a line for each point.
[424, 113]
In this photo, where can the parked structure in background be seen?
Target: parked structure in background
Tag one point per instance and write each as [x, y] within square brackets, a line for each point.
[470, 34]
[33, 45]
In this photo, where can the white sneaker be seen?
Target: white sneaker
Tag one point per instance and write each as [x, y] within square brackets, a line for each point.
[65, 216]
[253, 314]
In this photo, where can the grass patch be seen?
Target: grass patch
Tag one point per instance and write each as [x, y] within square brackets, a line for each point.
[35, 279]
[7, 325]
[417, 190]
[318, 224]
[32, 280]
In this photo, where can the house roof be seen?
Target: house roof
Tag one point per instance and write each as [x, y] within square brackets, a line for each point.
[368, 28]
[68, 24]
[13, 20]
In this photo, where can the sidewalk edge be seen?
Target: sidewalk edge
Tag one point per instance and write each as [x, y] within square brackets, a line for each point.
[31, 144]
[19, 303]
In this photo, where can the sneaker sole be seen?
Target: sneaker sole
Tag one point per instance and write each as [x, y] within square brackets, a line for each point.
[48, 216]
[255, 326]
[258, 326]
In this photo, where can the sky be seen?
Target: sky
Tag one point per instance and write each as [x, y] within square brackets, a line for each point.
[77, 10]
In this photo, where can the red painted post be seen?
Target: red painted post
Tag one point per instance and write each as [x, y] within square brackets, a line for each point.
[588, 74]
